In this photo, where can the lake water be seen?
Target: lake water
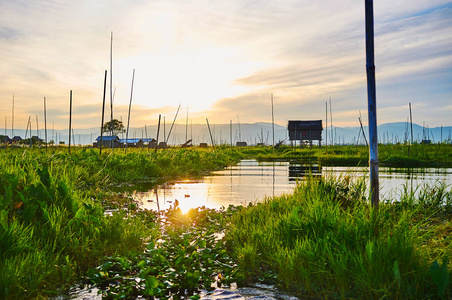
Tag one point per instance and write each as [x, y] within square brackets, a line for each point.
[251, 181]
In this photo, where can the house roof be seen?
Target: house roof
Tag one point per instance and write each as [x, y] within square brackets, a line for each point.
[108, 138]
[148, 140]
[130, 141]
[299, 125]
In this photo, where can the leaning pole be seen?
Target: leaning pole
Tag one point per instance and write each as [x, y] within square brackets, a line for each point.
[371, 104]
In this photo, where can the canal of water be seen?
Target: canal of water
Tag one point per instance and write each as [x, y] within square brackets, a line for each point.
[253, 181]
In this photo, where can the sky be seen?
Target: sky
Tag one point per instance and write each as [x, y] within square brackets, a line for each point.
[222, 60]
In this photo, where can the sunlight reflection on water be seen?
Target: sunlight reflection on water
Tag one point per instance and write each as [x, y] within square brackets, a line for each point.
[253, 181]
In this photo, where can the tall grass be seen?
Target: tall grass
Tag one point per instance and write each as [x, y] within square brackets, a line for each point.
[52, 223]
[324, 240]
[399, 155]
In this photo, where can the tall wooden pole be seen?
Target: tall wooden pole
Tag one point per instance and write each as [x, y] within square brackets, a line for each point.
[169, 133]
[12, 121]
[326, 127]
[111, 93]
[211, 138]
[130, 105]
[273, 126]
[70, 120]
[186, 127]
[103, 113]
[37, 127]
[362, 129]
[45, 121]
[411, 122]
[371, 104]
[230, 131]
[158, 131]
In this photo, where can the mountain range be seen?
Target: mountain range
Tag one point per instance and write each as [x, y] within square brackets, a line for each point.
[251, 133]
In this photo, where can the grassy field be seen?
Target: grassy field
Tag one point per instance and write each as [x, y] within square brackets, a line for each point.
[52, 222]
[400, 155]
[323, 240]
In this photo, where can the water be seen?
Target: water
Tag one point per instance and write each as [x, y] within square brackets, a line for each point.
[252, 181]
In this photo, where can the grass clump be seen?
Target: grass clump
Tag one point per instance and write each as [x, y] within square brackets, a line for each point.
[324, 240]
[53, 225]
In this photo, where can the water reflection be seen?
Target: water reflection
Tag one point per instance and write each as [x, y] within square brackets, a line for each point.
[252, 181]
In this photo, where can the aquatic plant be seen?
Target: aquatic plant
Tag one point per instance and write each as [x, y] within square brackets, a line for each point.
[325, 240]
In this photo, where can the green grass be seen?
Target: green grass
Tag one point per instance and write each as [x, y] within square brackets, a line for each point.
[400, 155]
[325, 241]
[322, 240]
[52, 222]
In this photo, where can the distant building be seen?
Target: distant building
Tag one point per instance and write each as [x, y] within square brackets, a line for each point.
[241, 144]
[151, 143]
[108, 141]
[136, 143]
[16, 139]
[5, 139]
[305, 131]
[36, 140]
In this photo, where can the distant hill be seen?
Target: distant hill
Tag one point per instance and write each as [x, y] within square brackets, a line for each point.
[249, 132]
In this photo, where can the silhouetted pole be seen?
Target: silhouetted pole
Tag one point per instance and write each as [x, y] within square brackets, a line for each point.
[103, 112]
[111, 87]
[130, 105]
[70, 119]
[273, 126]
[230, 131]
[362, 129]
[411, 122]
[326, 127]
[211, 138]
[169, 133]
[45, 121]
[12, 121]
[372, 105]
[158, 131]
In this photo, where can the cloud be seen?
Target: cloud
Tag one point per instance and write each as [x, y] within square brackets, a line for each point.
[223, 58]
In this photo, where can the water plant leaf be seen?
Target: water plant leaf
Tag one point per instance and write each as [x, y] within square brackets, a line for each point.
[440, 276]
[152, 282]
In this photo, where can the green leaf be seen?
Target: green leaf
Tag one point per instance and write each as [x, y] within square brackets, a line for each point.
[440, 276]
[152, 282]
[4, 219]
[396, 272]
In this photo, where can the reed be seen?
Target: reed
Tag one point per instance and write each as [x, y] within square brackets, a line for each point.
[325, 241]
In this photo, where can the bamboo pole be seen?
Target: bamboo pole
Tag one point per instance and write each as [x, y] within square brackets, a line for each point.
[70, 119]
[37, 127]
[230, 131]
[186, 127]
[372, 105]
[211, 138]
[273, 126]
[45, 121]
[158, 131]
[362, 129]
[326, 127]
[130, 105]
[411, 122]
[111, 87]
[103, 113]
[169, 133]
[28, 124]
[12, 121]
[332, 131]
